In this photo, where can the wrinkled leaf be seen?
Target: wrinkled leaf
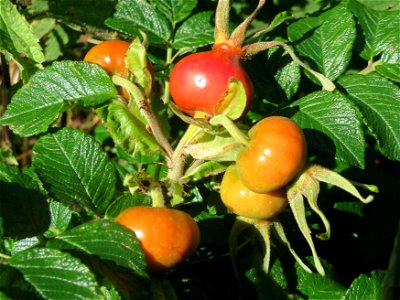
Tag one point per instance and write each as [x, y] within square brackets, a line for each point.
[378, 99]
[38, 104]
[125, 201]
[196, 31]
[61, 217]
[208, 168]
[216, 148]
[109, 241]
[366, 287]
[126, 130]
[331, 125]
[380, 29]
[56, 275]
[18, 40]
[325, 41]
[175, 10]
[75, 170]
[134, 15]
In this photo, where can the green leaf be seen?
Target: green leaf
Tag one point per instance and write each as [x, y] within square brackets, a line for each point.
[390, 63]
[13, 174]
[126, 130]
[110, 241]
[75, 170]
[325, 41]
[56, 275]
[24, 212]
[38, 104]
[55, 41]
[197, 31]
[366, 287]
[134, 15]
[380, 29]
[61, 217]
[18, 40]
[286, 72]
[390, 71]
[382, 5]
[331, 125]
[175, 10]
[378, 99]
[208, 168]
[24, 244]
[316, 286]
[215, 147]
[125, 201]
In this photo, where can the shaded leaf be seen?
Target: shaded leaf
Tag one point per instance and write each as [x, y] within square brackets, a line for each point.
[366, 287]
[378, 99]
[24, 212]
[75, 170]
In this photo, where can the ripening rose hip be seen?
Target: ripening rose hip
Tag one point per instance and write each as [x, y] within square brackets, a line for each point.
[168, 236]
[276, 153]
[200, 81]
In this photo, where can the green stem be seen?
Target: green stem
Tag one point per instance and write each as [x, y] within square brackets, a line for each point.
[166, 87]
[230, 126]
[146, 110]
[370, 67]
[255, 48]
[179, 155]
[4, 256]
[156, 195]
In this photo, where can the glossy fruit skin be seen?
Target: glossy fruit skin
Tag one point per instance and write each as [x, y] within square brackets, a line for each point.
[276, 153]
[244, 202]
[168, 236]
[110, 55]
[199, 81]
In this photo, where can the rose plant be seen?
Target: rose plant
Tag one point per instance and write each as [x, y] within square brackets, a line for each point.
[199, 150]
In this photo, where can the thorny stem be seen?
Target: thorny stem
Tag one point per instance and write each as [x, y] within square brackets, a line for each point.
[255, 48]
